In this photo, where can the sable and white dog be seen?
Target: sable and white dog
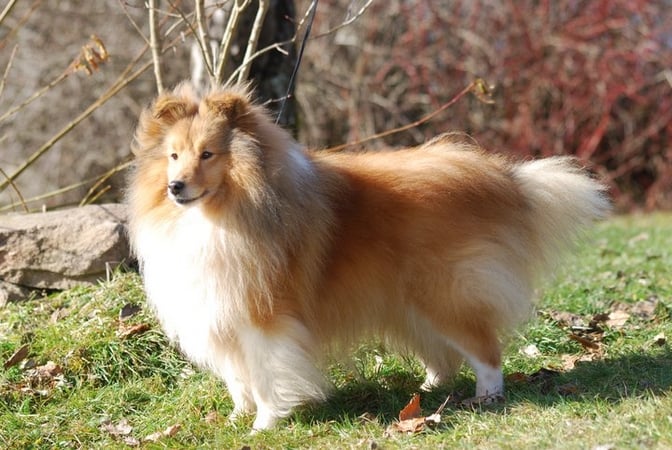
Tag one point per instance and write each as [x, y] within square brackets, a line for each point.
[257, 254]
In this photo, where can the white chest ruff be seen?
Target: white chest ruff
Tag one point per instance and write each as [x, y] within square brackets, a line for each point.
[190, 283]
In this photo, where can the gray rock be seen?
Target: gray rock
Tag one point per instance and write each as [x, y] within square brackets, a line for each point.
[64, 248]
[11, 293]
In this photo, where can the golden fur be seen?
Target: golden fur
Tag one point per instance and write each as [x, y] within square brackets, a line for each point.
[258, 254]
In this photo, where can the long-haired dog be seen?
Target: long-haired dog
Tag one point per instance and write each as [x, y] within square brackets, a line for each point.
[258, 254]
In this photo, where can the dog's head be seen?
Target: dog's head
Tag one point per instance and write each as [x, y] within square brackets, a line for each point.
[206, 148]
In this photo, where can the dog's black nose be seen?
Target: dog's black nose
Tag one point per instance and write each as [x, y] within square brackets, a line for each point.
[175, 187]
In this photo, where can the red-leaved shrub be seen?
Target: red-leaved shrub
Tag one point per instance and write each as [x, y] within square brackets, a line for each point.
[591, 78]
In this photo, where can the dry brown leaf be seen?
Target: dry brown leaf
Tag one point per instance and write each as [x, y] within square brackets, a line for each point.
[410, 421]
[412, 410]
[640, 237]
[586, 342]
[212, 417]
[121, 428]
[569, 362]
[660, 339]
[645, 309]
[19, 355]
[617, 319]
[58, 314]
[531, 351]
[567, 319]
[408, 426]
[50, 369]
[568, 389]
[131, 441]
[125, 332]
[517, 377]
[128, 310]
[168, 432]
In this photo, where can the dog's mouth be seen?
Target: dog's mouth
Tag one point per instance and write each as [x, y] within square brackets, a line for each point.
[180, 200]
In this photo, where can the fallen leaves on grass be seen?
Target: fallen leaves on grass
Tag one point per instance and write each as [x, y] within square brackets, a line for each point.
[588, 343]
[42, 379]
[545, 379]
[660, 339]
[531, 351]
[121, 428]
[569, 361]
[411, 420]
[19, 355]
[128, 310]
[131, 330]
[213, 417]
[617, 319]
[168, 432]
[412, 410]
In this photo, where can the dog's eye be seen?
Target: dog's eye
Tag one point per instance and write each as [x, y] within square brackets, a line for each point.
[173, 156]
[206, 155]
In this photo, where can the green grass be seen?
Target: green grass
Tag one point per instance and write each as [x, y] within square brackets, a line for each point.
[619, 396]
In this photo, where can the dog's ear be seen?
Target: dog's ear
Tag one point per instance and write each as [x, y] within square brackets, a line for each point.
[169, 109]
[154, 121]
[235, 107]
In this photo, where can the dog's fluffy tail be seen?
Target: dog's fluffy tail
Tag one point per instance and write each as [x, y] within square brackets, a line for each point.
[564, 200]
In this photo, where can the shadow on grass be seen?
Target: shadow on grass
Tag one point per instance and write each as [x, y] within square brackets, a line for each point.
[611, 380]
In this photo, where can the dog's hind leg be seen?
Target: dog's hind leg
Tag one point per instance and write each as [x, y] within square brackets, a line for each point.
[481, 347]
[440, 360]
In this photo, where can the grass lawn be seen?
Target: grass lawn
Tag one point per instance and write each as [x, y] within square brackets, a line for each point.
[592, 369]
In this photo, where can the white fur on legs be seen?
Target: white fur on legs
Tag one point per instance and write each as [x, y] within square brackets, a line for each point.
[489, 379]
[280, 368]
[234, 376]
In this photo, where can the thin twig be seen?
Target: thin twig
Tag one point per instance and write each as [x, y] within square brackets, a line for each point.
[302, 47]
[16, 189]
[155, 44]
[93, 198]
[65, 189]
[346, 22]
[253, 40]
[6, 73]
[90, 197]
[469, 88]
[7, 9]
[134, 24]
[19, 23]
[36, 95]
[122, 81]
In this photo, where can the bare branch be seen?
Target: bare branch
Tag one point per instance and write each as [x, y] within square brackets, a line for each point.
[474, 87]
[122, 81]
[7, 9]
[278, 46]
[253, 40]
[350, 19]
[9, 65]
[137, 28]
[68, 188]
[16, 189]
[155, 43]
[203, 39]
[37, 94]
[227, 38]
